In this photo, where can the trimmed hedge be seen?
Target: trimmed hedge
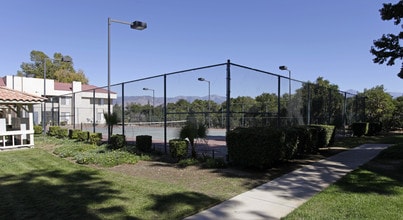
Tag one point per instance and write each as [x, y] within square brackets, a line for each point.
[262, 147]
[83, 136]
[360, 128]
[325, 135]
[95, 138]
[258, 147]
[53, 130]
[178, 148]
[37, 129]
[117, 141]
[144, 143]
[62, 133]
[73, 133]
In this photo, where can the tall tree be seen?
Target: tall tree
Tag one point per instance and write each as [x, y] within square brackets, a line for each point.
[55, 68]
[387, 48]
[379, 106]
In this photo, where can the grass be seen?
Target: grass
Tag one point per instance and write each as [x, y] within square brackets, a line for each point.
[37, 185]
[374, 191]
[34, 184]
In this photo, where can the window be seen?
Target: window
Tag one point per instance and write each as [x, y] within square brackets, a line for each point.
[65, 116]
[65, 100]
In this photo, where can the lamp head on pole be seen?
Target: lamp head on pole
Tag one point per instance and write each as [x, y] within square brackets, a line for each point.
[283, 68]
[201, 79]
[138, 25]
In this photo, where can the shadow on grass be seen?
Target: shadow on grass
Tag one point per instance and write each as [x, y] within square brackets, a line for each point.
[179, 205]
[366, 181]
[44, 194]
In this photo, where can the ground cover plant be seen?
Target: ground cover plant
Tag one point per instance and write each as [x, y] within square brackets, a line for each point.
[36, 183]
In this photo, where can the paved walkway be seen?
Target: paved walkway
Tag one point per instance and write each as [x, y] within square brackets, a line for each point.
[282, 195]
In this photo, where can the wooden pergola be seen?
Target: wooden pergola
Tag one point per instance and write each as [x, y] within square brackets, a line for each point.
[16, 118]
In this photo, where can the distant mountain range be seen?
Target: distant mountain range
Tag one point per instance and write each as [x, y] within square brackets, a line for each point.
[144, 100]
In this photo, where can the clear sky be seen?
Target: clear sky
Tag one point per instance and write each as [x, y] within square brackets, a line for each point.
[313, 38]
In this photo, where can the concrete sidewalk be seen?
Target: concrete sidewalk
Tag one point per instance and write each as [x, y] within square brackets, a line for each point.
[282, 195]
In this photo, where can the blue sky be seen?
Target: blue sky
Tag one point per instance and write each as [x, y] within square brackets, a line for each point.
[313, 38]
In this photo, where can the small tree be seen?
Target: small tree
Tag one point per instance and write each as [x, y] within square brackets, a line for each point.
[111, 120]
[193, 131]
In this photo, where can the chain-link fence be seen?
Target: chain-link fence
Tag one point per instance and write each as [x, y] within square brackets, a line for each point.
[222, 96]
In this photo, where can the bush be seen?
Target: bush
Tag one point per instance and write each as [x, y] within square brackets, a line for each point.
[374, 128]
[144, 143]
[95, 138]
[83, 135]
[290, 143]
[359, 128]
[188, 162]
[73, 134]
[258, 147]
[306, 143]
[324, 135]
[37, 129]
[53, 131]
[117, 141]
[62, 133]
[214, 163]
[178, 148]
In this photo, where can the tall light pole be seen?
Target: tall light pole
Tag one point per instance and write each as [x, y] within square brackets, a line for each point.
[289, 79]
[63, 59]
[137, 25]
[153, 97]
[208, 103]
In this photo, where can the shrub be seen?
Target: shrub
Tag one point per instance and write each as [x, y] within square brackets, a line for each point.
[305, 141]
[95, 138]
[374, 128]
[324, 135]
[178, 148]
[62, 133]
[359, 128]
[290, 143]
[214, 163]
[73, 134]
[144, 143]
[117, 141]
[37, 129]
[188, 162]
[53, 130]
[83, 136]
[258, 147]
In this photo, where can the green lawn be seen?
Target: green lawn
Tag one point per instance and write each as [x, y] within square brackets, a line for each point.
[36, 185]
[374, 191]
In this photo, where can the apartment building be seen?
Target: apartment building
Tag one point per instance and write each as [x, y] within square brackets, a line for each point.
[66, 104]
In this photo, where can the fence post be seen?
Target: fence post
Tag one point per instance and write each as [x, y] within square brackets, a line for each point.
[309, 105]
[228, 123]
[123, 108]
[165, 113]
[278, 100]
[93, 111]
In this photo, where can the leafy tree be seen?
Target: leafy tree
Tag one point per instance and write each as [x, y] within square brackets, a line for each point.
[387, 48]
[324, 100]
[397, 118]
[379, 105]
[55, 68]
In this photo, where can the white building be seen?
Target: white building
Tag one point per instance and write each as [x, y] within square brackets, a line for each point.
[67, 103]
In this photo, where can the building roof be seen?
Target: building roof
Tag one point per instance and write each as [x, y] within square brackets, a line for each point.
[67, 87]
[9, 96]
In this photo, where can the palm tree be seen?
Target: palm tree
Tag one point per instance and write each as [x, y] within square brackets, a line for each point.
[111, 120]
